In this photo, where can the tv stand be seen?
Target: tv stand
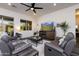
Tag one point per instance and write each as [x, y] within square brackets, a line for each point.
[49, 35]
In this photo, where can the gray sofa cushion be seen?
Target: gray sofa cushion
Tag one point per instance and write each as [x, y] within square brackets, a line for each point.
[10, 46]
[5, 50]
[7, 41]
[63, 44]
[5, 38]
[68, 37]
[69, 47]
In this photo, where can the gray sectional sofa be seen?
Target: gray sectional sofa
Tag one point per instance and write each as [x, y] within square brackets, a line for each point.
[65, 49]
[9, 48]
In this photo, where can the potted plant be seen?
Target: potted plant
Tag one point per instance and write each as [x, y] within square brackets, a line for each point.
[64, 26]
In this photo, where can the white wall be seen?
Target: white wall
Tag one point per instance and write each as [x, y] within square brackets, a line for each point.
[17, 17]
[66, 14]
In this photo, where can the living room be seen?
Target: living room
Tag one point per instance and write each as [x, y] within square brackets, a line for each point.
[30, 26]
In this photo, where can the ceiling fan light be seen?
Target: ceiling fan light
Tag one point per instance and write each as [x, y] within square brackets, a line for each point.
[9, 4]
[32, 8]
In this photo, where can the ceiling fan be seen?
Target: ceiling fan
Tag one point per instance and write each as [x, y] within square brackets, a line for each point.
[32, 7]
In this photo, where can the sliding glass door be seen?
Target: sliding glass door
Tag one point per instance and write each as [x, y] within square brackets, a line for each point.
[6, 25]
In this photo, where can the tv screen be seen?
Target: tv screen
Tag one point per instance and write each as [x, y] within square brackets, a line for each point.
[48, 26]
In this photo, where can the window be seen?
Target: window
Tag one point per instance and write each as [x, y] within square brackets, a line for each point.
[25, 25]
[29, 25]
[6, 25]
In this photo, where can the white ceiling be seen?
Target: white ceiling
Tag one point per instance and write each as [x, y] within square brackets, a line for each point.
[47, 8]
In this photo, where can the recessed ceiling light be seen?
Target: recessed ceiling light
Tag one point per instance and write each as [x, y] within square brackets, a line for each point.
[54, 4]
[9, 4]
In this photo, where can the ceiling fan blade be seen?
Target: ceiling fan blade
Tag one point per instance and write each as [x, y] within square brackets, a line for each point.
[34, 11]
[25, 4]
[38, 8]
[33, 4]
[27, 9]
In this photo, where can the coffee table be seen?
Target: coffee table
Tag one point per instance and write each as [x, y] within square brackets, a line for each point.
[35, 39]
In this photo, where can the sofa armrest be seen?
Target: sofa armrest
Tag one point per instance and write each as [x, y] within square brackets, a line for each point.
[51, 49]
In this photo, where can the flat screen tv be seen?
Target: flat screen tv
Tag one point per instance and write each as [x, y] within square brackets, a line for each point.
[47, 26]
